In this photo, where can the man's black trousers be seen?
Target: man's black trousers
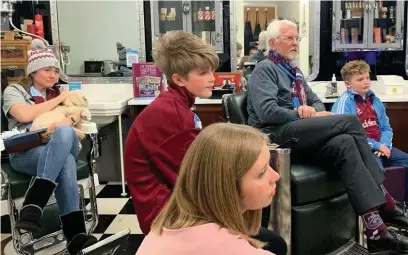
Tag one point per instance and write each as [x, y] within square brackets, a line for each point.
[341, 141]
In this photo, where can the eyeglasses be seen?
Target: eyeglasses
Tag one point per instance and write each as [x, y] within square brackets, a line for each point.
[292, 38]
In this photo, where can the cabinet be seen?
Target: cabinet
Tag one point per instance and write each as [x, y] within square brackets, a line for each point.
[202, 18]
[368, 25]
[14, 59]
[397, 113]
[208, 113]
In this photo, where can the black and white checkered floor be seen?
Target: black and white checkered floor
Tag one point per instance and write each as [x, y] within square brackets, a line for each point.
[116, 213]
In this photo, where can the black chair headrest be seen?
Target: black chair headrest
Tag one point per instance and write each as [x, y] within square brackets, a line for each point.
[235, 108]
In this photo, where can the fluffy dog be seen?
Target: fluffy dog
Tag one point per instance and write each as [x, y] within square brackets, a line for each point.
[75, 103]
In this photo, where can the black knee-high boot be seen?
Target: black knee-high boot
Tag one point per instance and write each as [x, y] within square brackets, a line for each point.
[73, 226]
[36, 198]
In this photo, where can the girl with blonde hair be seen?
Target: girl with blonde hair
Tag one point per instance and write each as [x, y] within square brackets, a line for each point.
[224, 182]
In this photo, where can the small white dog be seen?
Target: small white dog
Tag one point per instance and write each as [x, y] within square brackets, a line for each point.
[75, 103]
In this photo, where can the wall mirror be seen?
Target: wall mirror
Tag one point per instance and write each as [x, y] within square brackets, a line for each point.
[97, 35]
[303, 12]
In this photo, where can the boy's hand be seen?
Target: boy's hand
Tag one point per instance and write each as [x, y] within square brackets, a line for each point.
[384, 151]
[379, 154]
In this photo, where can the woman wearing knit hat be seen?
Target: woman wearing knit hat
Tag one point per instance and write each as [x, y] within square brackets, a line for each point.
[53, 166]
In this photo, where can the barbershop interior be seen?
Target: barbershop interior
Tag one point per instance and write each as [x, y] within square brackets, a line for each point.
[204, 127]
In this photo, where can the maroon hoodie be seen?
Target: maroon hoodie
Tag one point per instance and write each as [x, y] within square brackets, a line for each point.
[154, 149]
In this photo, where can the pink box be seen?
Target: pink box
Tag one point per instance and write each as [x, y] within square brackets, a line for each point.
[147, 80]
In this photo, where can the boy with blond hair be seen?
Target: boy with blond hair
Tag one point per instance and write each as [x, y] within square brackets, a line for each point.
[162, 132]
[360, 100]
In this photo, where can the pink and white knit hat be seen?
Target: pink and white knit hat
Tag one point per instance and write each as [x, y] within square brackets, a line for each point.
[40, 57]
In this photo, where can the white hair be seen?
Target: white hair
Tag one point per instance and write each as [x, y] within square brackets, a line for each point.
[262, 41]
[274, 28]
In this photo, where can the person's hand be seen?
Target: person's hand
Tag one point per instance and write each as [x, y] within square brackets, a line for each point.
[379, 154]
[306, 111]
[322, 114]
[384, 151]
[63, 96]
[65, 122]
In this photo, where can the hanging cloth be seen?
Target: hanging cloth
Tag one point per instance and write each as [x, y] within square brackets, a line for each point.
[248, 36]
[257, 29]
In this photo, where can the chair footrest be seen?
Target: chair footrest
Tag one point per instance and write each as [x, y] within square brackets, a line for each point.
[350, 248]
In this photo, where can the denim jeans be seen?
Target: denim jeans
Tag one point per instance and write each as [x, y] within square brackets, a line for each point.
[55, 161]
[397, 158]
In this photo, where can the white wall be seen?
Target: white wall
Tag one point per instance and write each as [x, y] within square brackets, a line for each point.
[92, 29]
[288, 9]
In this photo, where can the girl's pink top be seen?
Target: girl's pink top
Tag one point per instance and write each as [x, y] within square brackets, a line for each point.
[203, 239]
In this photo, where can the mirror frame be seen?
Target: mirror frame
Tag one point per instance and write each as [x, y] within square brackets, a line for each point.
[316, 43]
[233, 34]
[89, 79]
[406, 48]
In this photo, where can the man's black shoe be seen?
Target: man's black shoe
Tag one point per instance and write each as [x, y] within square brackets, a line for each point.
[395, 218]
[389, 242]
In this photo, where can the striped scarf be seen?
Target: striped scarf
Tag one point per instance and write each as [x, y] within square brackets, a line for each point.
[298, 90]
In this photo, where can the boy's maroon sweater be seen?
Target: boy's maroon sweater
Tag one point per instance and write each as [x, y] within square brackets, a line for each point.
[154, 149]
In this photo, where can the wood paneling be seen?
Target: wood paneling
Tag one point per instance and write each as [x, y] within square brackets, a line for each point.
[398, 115]
[208, 114]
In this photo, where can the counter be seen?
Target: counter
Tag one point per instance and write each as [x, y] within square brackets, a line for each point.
[318, 87]
[210, 110]
[147, 101]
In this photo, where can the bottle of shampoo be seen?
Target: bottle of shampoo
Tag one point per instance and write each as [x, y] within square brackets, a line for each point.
[333, 84]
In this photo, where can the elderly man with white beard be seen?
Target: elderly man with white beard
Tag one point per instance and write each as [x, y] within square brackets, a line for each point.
[280, 102]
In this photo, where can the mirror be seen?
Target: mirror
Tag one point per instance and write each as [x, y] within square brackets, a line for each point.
[99, 35]
[304, 13]
[406, 50]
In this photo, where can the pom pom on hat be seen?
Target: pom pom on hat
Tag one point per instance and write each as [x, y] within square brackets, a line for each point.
[40, 57]
[37, 44]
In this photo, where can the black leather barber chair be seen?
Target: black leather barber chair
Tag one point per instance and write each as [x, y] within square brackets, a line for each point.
[321, 219]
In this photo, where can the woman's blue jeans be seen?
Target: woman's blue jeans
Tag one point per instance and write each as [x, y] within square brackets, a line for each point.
[55, 161]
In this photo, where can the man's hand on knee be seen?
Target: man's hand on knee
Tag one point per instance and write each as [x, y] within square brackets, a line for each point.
[322, 114]
[306, 111]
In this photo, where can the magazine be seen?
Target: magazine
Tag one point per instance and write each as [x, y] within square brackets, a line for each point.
[147, 80]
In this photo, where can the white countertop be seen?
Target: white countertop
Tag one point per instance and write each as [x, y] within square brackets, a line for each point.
[147, 101]
[318, 87]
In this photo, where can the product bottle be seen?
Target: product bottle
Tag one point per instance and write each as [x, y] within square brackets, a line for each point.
[391, 12]
[334, 84]
[39, 25]
[348, 12]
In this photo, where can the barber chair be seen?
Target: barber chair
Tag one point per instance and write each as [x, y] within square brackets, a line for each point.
[311, 210]
[395, 178]
[14, 186]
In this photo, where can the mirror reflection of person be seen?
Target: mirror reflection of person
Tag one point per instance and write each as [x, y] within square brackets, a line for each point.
[252, 51]
[239, 52]
[261, 54]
